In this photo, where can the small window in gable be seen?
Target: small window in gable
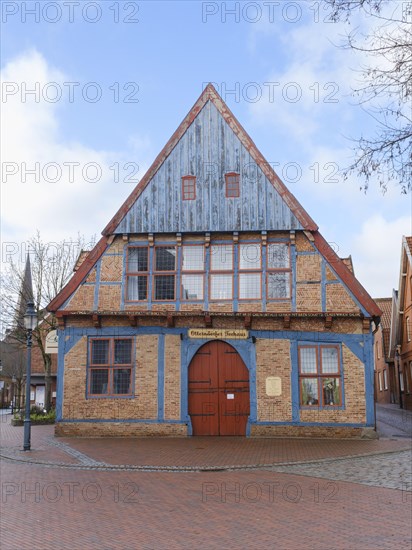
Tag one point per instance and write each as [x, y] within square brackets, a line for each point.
[189, 188]
[232, 185]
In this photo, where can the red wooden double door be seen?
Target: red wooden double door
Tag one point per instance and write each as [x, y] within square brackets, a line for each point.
[219, 402]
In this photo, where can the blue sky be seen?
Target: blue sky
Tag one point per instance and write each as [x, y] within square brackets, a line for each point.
[116, 78]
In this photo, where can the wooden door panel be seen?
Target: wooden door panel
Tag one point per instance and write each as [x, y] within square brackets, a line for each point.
[219, 402]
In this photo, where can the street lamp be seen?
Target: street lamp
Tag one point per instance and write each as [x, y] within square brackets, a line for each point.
[30, 323]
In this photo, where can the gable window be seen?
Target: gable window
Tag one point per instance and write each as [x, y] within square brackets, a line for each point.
[278, 271]
[137, 273]
[250, 277]
[319, 376]
[188, 188]
[110, 366]
[193, 266]
[164, 273]
[232, 180]
[221, 272]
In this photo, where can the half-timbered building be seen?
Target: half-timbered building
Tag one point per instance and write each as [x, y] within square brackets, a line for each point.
[212, 305]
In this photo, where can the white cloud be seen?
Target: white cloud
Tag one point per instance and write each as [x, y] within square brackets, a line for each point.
[376, 253]
[33, 138]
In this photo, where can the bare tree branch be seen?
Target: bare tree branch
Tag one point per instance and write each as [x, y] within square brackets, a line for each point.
[51, 266]
[385, 91]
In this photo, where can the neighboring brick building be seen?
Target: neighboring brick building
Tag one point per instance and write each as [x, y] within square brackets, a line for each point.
[385, 375]
[403, 325]
[213, 306]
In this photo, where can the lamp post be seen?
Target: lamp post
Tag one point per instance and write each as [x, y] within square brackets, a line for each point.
[30, 323]
[13, 399]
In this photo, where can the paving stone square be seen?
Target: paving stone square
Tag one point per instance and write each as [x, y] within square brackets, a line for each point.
[203, 493]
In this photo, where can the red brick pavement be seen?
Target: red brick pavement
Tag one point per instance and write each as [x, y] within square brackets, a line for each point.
[219, 452]
[62, 508]
[201, 452]
[52, 508]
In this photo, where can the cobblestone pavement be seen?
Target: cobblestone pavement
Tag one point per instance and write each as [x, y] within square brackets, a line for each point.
[328, 501]
[393, 471]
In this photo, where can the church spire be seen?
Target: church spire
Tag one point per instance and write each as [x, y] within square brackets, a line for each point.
[25, 294]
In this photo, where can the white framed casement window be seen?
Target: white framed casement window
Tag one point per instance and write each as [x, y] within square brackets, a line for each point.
[193, 268]
[320, 376]
[250, 271]
[164, 276]
[221, 272]
[137, 273]
[278, 271]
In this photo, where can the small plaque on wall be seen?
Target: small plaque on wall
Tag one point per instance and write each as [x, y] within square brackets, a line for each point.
[273, 386]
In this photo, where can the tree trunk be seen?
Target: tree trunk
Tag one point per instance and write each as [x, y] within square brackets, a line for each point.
[48, 382]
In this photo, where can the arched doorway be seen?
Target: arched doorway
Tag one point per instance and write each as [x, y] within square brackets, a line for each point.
[219, 402]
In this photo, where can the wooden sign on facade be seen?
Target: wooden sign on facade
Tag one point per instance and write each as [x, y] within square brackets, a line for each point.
[217, 333]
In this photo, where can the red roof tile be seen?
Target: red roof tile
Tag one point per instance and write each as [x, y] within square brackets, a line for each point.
[385, 305]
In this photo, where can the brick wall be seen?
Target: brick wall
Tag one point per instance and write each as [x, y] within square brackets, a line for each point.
[143, 406]
[273, 359]
[120, 429]
[172, 377]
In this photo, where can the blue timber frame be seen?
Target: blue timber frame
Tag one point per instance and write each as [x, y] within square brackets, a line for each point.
[359, 344]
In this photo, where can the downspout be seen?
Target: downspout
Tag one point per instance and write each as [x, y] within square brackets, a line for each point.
[377, 321]
[398, 360]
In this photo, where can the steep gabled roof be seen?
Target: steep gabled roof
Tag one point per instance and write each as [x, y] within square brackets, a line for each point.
[347, 277]
[210, 94]
[92, 257]
[298, 213]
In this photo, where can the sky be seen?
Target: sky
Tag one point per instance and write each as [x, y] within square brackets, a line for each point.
[91, 92]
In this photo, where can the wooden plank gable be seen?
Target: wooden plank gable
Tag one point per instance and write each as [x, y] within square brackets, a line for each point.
[208, 150]
[209, 143]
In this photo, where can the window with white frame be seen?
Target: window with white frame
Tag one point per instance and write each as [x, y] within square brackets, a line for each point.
[408, 329]
[250, 271]
[164, 273]
[193, 266]
[156, 269]
[278, 271]
[137, 273]
[320, 376]
[380, 380]
[221, 272]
